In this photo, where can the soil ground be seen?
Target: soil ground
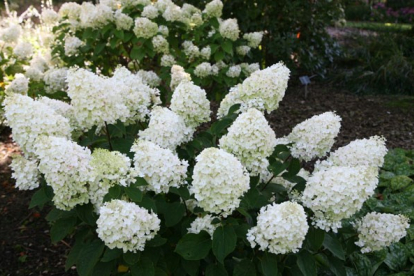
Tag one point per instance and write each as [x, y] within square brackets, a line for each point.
[25, 246]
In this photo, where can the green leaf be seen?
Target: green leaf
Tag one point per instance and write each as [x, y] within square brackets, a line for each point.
[156, 241]
[137, 53]
[213, 48]
[277, 167]
[148, 203]
[99, 48]
[141, 182]
[224, 242]
[332, 244]
[269, 264]
[218, 127]
[233, 109]
[306, 263]
[113, 193]
[216, 270]
[315, 238]
[253, 200]
[61, 228]
[400, 182]
[145, 267]
[89, 256]
[337, 266]
[228, 47]
[244, 268]
[41, 197]
[173, 212]
[294, 167]
[219, 55]
[191, 267]
[87, 214]
[111, 254]
[56, 214]
[104, 269]
[194, 246]
[119, 33]
[396, 257]
[131, 258]
[134, 193]
[361, 263]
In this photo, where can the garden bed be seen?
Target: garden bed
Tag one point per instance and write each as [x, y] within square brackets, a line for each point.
[25, 246]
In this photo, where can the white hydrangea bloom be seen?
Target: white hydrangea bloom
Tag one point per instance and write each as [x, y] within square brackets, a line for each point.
[214, 9]
[219, 181]
[110, 168]
[145, 28]
[132, 3]
[49, 16]
[25, 172]
[61, 108]
[281, 228]
[138, 96]
[314, 137]
[72, 44]
[40, 63]
[190, 102]
[253, 39]
[203, 70]
[178, 75]
[30, 119]
[92, 16]
[251, 140]
[264, 88]
[242, 50]
[251, 68]
[166, 129]
[23, 50]
[190, 50]
[55, 79]
[188, 10]
[203, 224]
[206, 52]
[211, 33]
[96, 100]
[376, 231]
[162, 5]
[163, 30]
[149, 77]
[123, 21]
[160, 167]
[160, 44]
[33, 74]
[196, 19]
[173, 13]
[167, 60]
[66, 167]
[11, 34]
[150, 12]
[19, 85]
[337, 193]
[229, 29]
[71, 10]
[234, 71]
[126, 226]
[361, 152]
[215, 70]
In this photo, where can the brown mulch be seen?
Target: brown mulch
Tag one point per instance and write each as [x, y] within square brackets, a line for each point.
[25, 247]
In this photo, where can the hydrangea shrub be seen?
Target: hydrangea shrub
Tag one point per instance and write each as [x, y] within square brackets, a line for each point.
[146, 187]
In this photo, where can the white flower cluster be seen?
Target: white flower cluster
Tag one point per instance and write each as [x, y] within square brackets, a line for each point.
[160, 44]
[203, 70]
[281, 228]
[219, 180]
[203, 224]
[160, 167]
[234, 71]
[206, 52]
[71, 10]
[55, 79]
[23, 50]
[242, 50]
[376, 231]
[178, 75]
[66, 167]
[173, 13]
[289, 185]
[72, 44]
[49, 16]
[166, 129]
[150, 12]
[190, 50]
[25, 172]
[127, 226]
[11, 34]
[253, 39]
[229, 29]
[264, 89]
[61, 108]
[19, 85]
[248, 69]
[123, 21]
[145, 28]
[190, 102]
[337, 193]
[110, 168]
[361, 152]
[149, 78]
[251, 140]
[95, 16]
[214, 9]
[30, 119]
[163, 30]
[314, 137]
[167, 60]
